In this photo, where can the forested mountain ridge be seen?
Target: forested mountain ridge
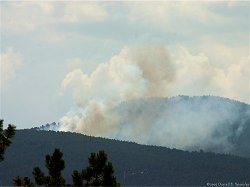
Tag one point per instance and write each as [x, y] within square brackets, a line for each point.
[210, 123]
[134, 164]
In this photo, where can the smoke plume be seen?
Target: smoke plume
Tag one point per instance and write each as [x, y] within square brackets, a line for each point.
[134, 73]
[146, 72]
[189, 123]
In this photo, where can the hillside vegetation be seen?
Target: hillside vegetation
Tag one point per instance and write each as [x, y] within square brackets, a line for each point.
[209, 123]
[134, 164]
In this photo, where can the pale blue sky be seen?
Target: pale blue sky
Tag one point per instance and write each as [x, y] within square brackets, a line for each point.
[41, 42]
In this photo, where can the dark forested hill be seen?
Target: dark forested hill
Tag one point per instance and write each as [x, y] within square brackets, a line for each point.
[134, 164]
[209, 123]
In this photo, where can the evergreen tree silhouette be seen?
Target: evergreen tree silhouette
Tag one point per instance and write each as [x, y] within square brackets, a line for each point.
[5, 137]
[99, 172]
[22, 181]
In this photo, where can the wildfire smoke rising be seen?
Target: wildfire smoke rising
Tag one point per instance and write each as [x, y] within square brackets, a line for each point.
[129, 75]
[144, 72]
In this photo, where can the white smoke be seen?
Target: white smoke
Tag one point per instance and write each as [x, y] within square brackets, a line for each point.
[134, 73]
[208, 123]
[145, 72]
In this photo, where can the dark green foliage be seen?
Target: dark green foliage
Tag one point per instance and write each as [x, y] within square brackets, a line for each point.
[108, 176]
[135, 165]
[18, 181]
[39, 176]
[97, 173]
[22, 181]
[5, 137]
[27, 182]
[77, 178]
[55, 165]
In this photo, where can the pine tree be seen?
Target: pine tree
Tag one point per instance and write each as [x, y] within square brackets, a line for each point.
[55, 164]
[77, 178]
[98, 173]
[22, 181]
[5, 137]
[39, 176]
[18, 181]
[108, 176]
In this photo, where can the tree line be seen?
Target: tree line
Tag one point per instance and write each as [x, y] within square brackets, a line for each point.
[99, 172]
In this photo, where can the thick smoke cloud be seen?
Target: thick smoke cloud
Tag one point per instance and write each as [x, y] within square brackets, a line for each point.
[189, 123]
[145, 72]
[134, 73]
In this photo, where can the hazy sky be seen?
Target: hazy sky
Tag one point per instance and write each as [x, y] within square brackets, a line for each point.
[46, 47]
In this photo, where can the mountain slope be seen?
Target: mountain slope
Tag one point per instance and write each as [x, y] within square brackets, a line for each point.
[189, 123]
[209, 123]
[134, 164]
